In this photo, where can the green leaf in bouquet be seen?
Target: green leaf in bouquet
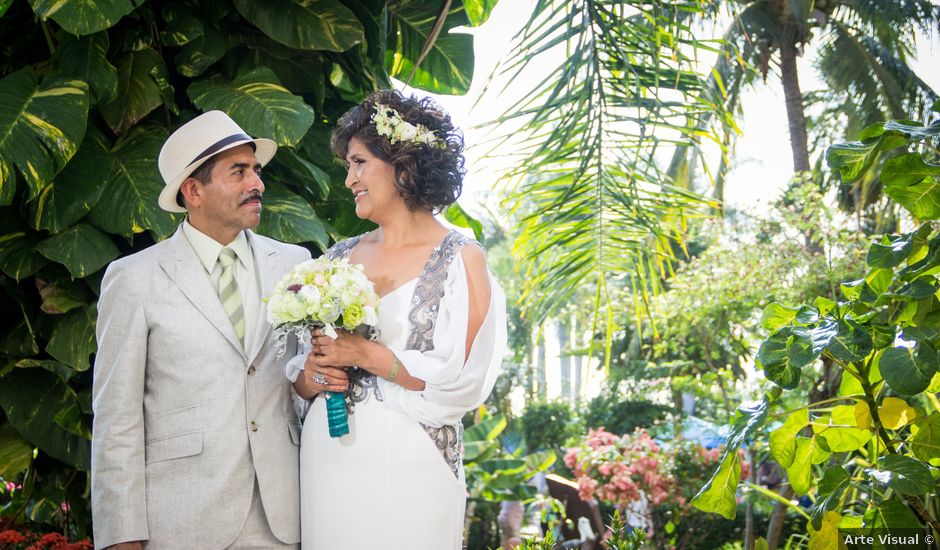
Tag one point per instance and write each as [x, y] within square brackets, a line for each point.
[718, 494]
[82, 249]
[783, 439]
[41, 126]
[258, 102]
[908, 370]
[305, 25]
[82, 16]
[139, 91]
[31, 398]
[904, 474]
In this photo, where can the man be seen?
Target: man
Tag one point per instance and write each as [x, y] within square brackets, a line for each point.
[195, 436]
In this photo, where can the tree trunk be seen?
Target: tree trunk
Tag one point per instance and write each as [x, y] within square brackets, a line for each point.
[776, 519]
[564, 329]
[793, 97]
[540, 381]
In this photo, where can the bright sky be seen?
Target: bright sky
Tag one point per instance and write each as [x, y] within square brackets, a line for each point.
[762, 161]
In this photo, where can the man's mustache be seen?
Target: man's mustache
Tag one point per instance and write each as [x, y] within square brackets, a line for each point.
[252, 197]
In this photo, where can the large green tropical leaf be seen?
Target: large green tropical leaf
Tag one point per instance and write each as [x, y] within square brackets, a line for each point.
[128, 204]
[41, 126]
[718, 495]
[305, 24]
[82, 249]
[202, 52]
[258, 102]
[18, 257]
[82, 16]
[86, 58]
[478, 11]
[447, 67]
[287, 217]
[76, 189]
[73, 338]
[31, 399]
[139, 90]
[16, 453]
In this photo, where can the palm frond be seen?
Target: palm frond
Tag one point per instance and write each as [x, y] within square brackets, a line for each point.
[594, 204]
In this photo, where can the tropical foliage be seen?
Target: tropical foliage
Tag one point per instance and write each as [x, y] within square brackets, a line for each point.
[88, 93]
[866, 454]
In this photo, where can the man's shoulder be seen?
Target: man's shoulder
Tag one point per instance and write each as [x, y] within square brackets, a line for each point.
[288, 249]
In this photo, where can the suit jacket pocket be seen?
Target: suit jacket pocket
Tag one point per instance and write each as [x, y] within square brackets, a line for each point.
[294, 428]
[178, 446]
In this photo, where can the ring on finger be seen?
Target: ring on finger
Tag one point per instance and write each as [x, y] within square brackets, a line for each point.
[319, 379]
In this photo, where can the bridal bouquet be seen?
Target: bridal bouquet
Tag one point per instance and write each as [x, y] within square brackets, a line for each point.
[327, 294]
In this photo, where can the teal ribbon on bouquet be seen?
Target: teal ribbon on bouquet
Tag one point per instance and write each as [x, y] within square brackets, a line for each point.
[336, 416]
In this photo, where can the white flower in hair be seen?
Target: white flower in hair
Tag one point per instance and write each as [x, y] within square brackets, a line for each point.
[390, 125]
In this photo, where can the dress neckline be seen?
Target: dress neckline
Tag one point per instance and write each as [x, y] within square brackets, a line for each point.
[399, 287]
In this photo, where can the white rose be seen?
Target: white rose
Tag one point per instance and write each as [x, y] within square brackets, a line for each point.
[406, 132]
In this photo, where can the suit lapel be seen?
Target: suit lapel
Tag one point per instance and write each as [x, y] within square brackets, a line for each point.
[183, 268]
[269, 268]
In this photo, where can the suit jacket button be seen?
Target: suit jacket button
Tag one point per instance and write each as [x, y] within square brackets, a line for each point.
[253, 426]
[251, 370]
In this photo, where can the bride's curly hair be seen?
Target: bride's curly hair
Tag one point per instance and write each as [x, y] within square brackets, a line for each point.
[428, 177]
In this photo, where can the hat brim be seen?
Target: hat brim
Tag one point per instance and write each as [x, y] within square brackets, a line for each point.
[264, 152]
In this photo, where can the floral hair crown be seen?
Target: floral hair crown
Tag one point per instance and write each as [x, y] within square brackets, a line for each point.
[390, 124]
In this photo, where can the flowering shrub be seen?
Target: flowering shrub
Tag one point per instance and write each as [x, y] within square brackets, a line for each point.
[12, 539]
[621, 470]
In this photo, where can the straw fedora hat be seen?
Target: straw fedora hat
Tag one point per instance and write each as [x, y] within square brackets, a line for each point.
[194, 143]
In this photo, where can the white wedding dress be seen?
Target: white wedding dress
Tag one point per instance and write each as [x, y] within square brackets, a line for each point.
[396, 480]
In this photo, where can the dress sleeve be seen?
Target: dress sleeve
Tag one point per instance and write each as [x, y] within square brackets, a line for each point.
[292, 370]
[453, 386]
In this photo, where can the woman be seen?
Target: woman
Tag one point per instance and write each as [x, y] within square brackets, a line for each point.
[396, 480]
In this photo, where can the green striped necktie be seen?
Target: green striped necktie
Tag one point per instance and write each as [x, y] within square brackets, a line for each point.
[229, 295]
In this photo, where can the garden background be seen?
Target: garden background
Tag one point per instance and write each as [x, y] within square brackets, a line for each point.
[763, 377]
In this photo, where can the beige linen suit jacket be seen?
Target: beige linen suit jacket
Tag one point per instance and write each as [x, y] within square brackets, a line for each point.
[185, 419]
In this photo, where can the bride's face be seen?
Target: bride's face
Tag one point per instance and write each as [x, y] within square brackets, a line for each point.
[371, 181]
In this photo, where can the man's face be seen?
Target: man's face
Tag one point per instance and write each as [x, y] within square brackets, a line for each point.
[231, 201]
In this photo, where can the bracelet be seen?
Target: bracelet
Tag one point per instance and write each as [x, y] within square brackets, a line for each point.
[396, 365]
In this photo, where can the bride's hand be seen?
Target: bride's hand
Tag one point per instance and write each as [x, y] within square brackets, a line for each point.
[347, 350]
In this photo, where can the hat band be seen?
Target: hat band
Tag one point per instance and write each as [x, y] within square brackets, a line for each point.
[217, 146]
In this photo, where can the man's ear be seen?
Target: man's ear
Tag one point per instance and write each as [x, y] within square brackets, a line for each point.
[191, 191]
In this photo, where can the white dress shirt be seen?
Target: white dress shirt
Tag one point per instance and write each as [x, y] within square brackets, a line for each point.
[207, 250]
